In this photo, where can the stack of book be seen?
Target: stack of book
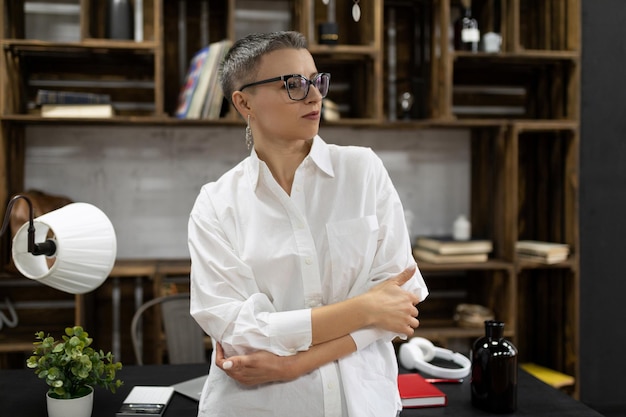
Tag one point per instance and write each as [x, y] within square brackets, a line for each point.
[201, 97]
[541, 252]
[444, 249]
[58, 103]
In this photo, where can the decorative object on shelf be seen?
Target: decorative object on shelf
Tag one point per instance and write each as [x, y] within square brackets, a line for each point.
[492, 40]
[329, 30]
[138, 24]
[406, 104]
[494, 371]
[466, 32]
[472, 315]
[462, 228]
[71, 368]
[120, 20]
[356, 11]
[78, 239]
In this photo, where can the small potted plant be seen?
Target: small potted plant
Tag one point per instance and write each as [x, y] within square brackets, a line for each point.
[71, 368]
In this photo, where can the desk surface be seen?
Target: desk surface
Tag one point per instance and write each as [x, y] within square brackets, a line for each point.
[22, 394]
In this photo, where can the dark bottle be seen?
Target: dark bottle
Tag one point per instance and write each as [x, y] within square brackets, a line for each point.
[466, 33]
[494, 371]
[120, 20]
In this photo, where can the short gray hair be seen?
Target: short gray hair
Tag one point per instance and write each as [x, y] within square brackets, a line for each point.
[240, 64]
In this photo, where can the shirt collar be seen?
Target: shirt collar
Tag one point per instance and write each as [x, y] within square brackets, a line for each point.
[319, 154]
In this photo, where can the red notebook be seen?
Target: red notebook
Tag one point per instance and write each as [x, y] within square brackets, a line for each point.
[416, 392]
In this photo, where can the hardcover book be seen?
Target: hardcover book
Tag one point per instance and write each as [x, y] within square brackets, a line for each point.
[416, 392]
[547, 259]
[77, 110]
[446, 245]
[191, 82]
[437, 258]
[541, 248]
[70, 97]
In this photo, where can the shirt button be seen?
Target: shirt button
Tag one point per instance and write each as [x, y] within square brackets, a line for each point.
[298, 188]
[331, 386]
[308, 260]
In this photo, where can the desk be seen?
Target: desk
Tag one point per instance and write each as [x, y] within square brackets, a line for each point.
[22, 394]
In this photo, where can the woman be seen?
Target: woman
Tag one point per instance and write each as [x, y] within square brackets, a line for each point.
[301, 262]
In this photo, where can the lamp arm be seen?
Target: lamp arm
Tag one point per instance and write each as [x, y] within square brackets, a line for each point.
[48, 247]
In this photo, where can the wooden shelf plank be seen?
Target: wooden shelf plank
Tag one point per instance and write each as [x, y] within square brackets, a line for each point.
[71, 47]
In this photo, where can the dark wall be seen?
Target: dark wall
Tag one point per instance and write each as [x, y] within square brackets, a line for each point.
[603, 204]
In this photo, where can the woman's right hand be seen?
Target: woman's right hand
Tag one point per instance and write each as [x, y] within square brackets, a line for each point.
[392, 308]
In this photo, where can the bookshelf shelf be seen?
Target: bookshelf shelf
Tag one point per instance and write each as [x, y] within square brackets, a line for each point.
[492, 264]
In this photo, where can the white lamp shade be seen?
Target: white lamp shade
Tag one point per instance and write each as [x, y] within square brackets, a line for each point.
[85, 253]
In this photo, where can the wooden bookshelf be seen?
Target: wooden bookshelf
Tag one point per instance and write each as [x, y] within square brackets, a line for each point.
[524, 161]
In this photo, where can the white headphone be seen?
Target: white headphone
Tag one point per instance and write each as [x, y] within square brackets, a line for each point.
[418, 352]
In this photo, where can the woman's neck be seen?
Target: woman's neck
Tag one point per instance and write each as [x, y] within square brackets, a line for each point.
[283, 161]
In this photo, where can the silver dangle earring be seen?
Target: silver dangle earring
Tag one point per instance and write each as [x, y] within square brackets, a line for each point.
[249, 138]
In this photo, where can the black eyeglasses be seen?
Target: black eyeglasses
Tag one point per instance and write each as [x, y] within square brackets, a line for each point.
[297, 85]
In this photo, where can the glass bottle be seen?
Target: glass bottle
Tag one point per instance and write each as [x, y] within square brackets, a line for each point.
[494, 371]
[466, 33]
[120, 22]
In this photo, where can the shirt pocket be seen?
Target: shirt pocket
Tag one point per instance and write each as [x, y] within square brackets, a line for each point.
[352, 246]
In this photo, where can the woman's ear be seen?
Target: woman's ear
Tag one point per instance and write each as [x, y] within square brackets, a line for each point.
[240, 102]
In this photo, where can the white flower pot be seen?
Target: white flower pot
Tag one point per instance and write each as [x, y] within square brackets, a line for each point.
[75, 407]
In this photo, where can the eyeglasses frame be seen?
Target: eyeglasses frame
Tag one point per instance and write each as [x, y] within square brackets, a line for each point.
[284, 79]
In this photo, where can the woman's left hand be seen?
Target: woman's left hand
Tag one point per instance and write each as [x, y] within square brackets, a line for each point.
[256, 368]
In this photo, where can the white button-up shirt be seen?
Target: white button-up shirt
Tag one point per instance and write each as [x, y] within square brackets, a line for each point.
[262, 259]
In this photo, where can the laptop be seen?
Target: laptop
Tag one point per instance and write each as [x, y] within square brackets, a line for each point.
[191, 388]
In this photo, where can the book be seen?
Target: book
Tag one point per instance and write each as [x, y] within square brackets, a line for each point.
[207, 72]
[446, 245]
[70, 97]
[146, 401]
[191, 81]
[549, 376]
[426, 255]
[535, 247]
[547, 259]
[416, 392]
[215, 96]
[77, 110]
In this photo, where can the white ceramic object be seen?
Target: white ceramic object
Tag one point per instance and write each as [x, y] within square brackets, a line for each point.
[74, 407]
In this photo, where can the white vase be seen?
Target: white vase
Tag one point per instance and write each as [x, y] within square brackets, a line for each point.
[74, 407]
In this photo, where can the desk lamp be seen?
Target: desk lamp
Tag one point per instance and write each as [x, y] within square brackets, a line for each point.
[77, 246]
